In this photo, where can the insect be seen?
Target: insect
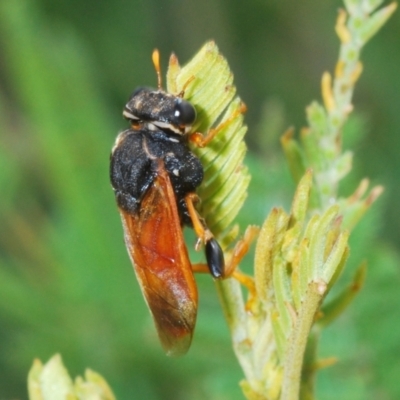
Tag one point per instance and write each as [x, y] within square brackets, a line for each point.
[154, 176]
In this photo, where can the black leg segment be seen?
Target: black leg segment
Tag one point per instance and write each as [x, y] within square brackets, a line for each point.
[215, 258]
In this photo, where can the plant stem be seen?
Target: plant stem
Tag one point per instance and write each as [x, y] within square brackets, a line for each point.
[308, 373]
[298, 342]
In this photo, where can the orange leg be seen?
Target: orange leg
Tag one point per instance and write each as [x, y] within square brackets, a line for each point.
[239, 251]
[202, 232]
[214, 253]
[200, 268]
[232, 271]
[201, 140]
[241, 248]
[245, 280]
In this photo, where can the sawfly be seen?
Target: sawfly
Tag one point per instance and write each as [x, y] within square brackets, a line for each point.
[154, 175]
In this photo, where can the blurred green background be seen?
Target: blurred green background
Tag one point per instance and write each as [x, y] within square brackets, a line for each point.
[66, 283]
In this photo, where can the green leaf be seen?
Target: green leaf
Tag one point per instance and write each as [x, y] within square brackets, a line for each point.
[372, 25]
[294, 155]
[301, 198]
[318, 243]
[336, 306]
[269, 241]
[52, 382]
[210, 89]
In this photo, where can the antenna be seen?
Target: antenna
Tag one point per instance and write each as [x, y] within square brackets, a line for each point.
[182, 92]
[156, 61]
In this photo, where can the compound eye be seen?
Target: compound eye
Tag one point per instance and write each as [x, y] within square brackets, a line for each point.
[184, 113]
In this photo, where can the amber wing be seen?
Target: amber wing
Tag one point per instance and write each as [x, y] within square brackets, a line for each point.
[155, 243]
